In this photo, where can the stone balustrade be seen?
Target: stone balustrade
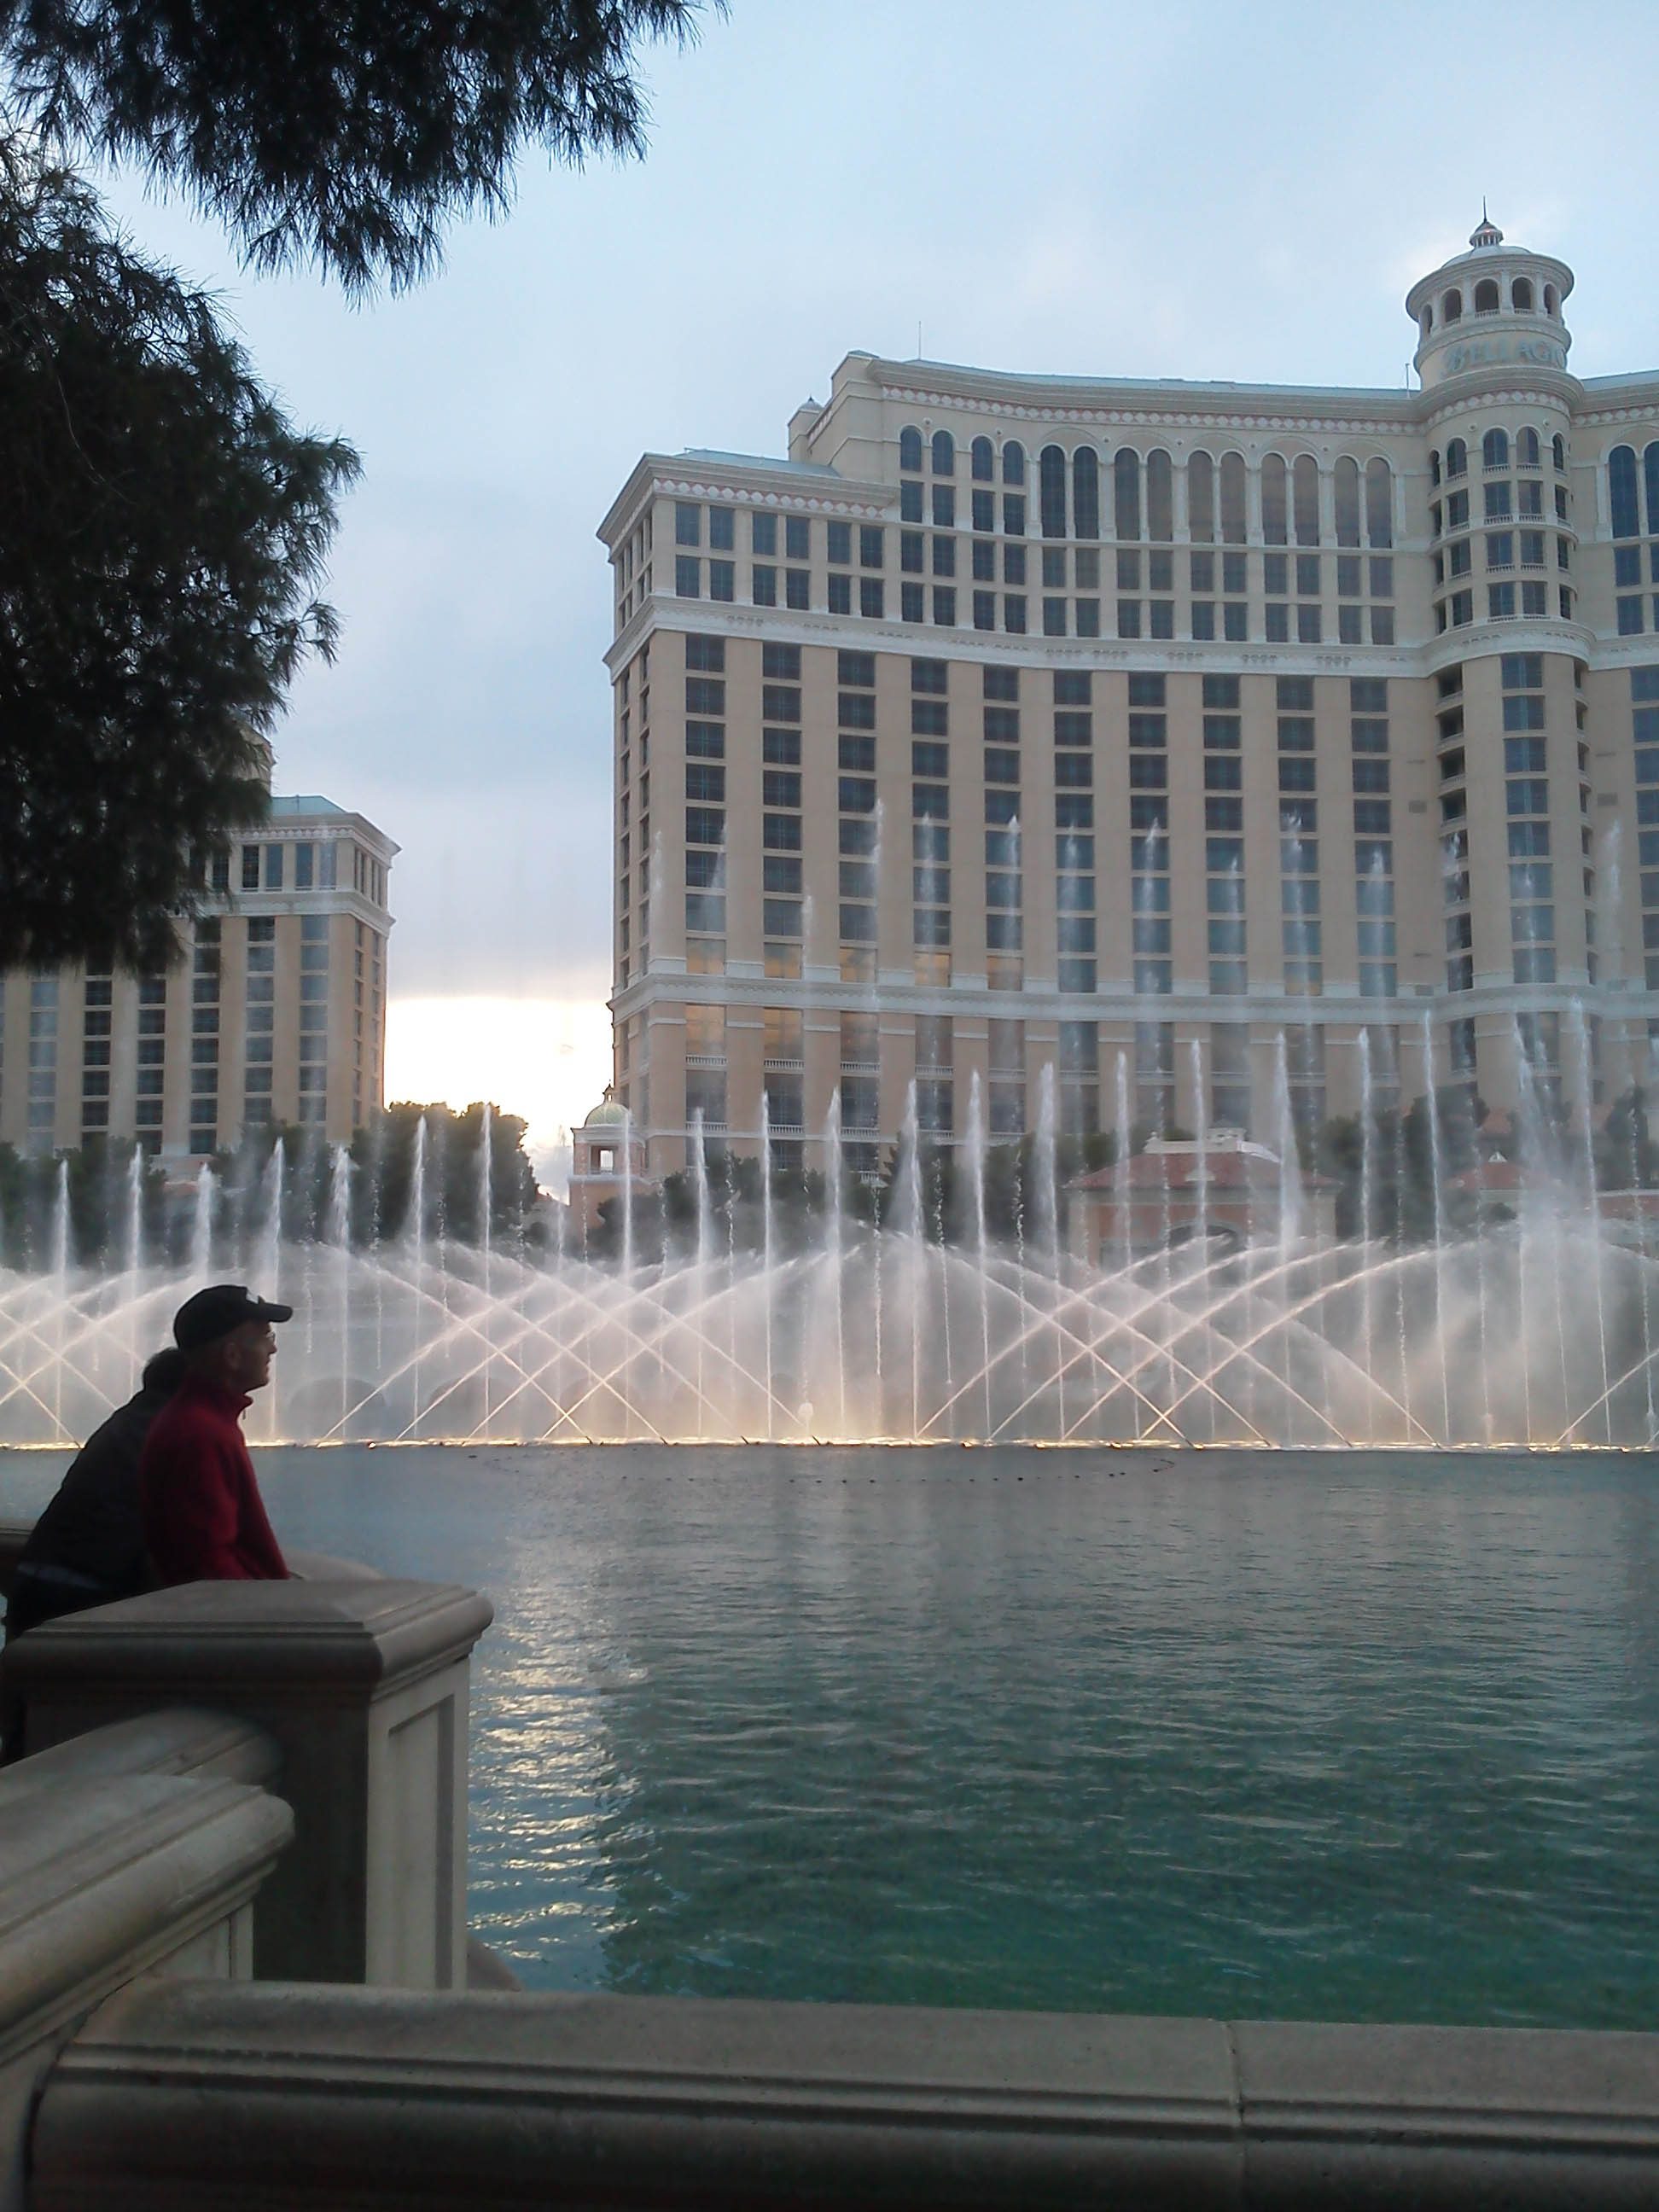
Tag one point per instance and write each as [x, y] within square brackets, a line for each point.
[141, 2067]
[363, 1685]
[127, 1854]
[373, 2098]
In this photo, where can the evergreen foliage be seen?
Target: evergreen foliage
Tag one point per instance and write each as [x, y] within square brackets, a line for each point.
[343, 131]
[162, 526]
[382, 1185]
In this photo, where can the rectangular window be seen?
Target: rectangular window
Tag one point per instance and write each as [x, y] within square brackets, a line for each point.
[688, 577]
[839, 536]
[688, 523]
[764, 592]
[722, 530]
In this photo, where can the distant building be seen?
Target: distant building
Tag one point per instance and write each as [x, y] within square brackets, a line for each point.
[1096, 732]
[605, 1157]
[276, 1012]
[1176, 1188]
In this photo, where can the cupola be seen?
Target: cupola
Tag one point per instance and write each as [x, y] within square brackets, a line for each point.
[1495, 306]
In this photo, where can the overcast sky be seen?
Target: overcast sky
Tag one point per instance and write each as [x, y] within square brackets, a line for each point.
[1199, 190]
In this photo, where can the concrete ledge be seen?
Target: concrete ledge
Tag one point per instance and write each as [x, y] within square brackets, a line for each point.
[362, 1630]
[363, 1683]
[104, 1877]
[202, 1746]
[370, 2098]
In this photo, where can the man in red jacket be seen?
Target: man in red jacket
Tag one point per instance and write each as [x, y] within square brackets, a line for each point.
[204, 1520]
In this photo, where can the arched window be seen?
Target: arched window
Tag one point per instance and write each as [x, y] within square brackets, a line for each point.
[1304, 479]
[1551, 300]
[1234, 521]
[1521, 295]
[1427, 320]
[1125, 491]
[1085, 493]
[1379, 502]
[1558, 452]
[984, 461]
[1526, 448]
[1451, 307]
[1160, 497]
[910, 450]
[1621, 491]
[1457, 458]
[1486, 301]
[1434, 466]
[1273, 531]
[1651, 470]
[1201, 500]
[1495, 449]
[944, 453]
[1051, 479]
[1347, 487]
[1013, 462]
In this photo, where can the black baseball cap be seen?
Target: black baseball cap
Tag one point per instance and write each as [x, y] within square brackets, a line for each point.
[213, 1313]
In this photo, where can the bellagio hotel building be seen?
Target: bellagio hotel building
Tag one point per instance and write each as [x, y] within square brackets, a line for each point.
[1200, 743]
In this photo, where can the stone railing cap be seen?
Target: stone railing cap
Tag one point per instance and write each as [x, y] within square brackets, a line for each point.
[368, 1632]
[175, 1740]
[100, 1878]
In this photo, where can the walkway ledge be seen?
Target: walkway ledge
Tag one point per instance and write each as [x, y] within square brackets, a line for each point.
[189, 2094]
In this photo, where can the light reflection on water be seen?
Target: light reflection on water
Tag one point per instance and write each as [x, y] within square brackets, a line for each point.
[1326, 1737]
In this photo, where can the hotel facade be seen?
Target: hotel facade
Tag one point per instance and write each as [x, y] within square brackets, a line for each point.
[275, 1012]
[1194, 752]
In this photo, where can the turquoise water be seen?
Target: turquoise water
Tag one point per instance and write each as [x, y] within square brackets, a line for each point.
[1332, 1737]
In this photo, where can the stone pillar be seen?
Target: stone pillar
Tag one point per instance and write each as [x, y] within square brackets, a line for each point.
[107, 1875]
[363, 1685]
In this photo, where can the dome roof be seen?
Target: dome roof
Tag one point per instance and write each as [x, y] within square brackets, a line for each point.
[609, 1113]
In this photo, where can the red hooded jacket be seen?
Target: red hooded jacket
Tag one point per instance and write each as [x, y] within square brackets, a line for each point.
[204, 1520]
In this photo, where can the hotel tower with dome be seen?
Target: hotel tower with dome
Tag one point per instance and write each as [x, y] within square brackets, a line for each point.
[1188, 746]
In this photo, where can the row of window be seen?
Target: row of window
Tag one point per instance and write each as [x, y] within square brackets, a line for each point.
[1495, 453]
[1089, 1073]
[314, 867]
[1076, 486]
[1488, 300]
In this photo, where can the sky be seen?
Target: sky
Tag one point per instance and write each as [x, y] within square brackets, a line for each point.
[1197, 190]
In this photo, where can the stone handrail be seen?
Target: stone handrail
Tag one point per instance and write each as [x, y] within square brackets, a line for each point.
[386, 2098]
[111, 1868]
[360, 1683]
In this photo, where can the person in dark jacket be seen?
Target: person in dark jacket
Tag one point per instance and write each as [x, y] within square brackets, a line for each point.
[204, 1520]
[88, 1548]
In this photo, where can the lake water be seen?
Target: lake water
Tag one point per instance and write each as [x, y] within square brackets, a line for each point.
[1345, 1736]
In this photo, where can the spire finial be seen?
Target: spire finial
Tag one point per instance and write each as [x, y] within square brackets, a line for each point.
[1487, 233]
